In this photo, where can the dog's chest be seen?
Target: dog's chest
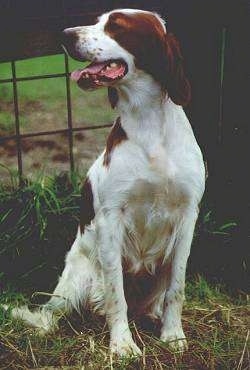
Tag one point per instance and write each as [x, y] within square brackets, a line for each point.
[152, 213]
[147, 187]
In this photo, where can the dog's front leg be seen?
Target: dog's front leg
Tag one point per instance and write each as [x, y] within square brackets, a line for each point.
[111, 232]
[172, 331]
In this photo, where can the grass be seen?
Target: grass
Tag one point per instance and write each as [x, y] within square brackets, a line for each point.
[37, 226]
[36, 221]
[42, 107]
[49, 95]
[215, 324]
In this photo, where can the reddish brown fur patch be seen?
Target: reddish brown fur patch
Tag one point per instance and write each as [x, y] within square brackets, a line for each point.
[116, 136]
[139, 287]
[155, 51]
[87, 212]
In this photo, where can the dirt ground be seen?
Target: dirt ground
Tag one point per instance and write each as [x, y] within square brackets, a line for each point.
[49, 154]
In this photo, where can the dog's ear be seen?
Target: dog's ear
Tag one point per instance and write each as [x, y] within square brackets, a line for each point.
[175, 81]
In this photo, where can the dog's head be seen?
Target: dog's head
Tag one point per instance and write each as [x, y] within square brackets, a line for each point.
[124, 45]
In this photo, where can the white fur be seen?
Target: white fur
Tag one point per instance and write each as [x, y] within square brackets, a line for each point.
[146, 205]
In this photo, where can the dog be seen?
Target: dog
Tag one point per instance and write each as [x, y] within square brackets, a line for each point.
[141, 197]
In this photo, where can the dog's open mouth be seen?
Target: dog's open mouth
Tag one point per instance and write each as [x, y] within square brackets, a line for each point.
[98, 74]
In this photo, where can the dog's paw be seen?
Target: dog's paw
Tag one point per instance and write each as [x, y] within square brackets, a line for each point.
[124, 347]
[175, 340]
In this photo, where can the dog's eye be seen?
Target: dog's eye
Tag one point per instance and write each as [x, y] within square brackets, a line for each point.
[116, 23]
[115, 27]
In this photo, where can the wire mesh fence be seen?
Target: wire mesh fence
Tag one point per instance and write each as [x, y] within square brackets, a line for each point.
[18, 136]
[34, 29]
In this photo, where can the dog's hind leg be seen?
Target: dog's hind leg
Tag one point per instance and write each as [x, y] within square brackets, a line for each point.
[71, 292]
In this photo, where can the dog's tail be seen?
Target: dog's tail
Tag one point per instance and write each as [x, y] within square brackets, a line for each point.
[43, 318]
[69, 294]
[77, 284]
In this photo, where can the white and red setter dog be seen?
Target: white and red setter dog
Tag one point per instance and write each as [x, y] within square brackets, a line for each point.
[141, 197]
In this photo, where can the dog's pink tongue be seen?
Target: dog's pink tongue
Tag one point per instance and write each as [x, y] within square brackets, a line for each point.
[114, 72]
[93, 68]
[76, 75]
